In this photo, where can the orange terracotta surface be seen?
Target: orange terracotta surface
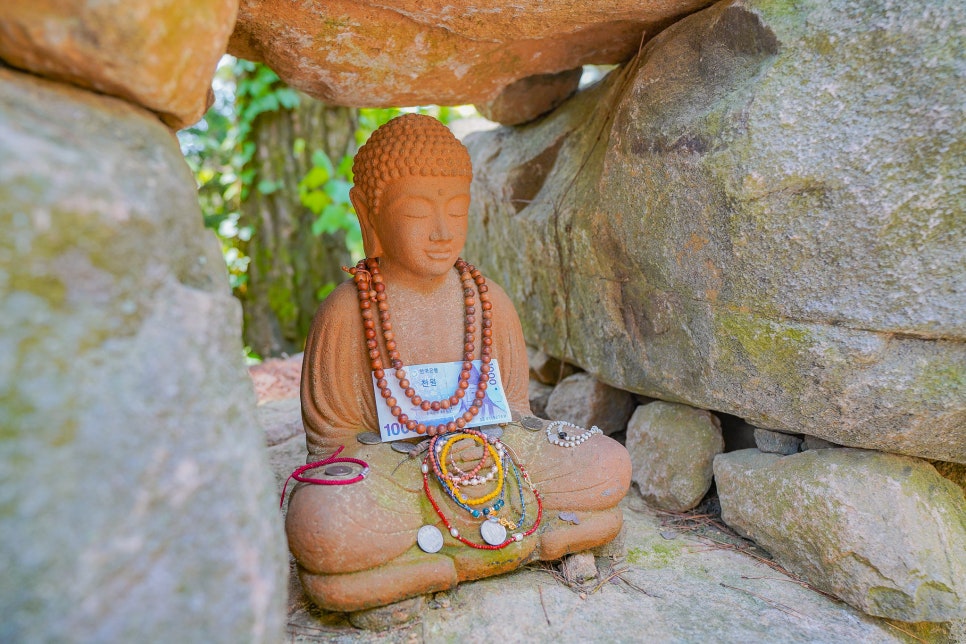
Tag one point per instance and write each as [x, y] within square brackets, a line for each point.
[350, 538]
[409, 52]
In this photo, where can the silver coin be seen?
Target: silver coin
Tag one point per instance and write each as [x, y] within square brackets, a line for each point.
[493, 532]
[532, 423]
[369, 438]
[493, 431]
[403, 447]
[430, 539]
[338, 470]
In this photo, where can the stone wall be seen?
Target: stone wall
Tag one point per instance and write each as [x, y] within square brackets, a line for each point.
[136, 495]
[762, 215]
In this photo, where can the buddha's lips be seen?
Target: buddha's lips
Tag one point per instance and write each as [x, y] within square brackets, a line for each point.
[438, 254]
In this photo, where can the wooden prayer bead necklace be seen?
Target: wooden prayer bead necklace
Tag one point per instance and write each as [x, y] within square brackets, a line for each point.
[372, 294]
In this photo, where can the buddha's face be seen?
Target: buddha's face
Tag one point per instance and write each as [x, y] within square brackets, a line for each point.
[421, 224]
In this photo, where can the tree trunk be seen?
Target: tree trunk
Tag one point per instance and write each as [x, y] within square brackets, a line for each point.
[290, 265]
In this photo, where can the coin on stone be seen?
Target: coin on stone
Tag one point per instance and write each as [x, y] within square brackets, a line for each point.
[369, 438]
[532, 423]
[430, 539]
[338, 470]
[403, 448]
[492, 532]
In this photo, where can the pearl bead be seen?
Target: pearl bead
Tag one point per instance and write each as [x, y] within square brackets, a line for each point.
[454, 532]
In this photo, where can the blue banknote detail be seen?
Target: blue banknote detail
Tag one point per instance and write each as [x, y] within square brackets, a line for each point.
[437, 381]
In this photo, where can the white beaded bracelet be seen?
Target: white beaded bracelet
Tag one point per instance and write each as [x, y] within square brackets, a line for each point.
[557, 436]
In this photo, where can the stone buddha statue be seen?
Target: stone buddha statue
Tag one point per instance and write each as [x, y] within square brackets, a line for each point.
[467, 501]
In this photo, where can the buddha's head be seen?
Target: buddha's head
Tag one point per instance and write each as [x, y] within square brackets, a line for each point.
[412, 194]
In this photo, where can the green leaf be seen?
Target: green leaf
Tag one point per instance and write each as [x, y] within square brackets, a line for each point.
[345, 167]
[338, 190]
[267, 187]
[321, 160]
[315, 200]
[288, 97]
[315, 178]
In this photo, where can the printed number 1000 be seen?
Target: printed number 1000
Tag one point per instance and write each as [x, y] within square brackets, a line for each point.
[394, 429]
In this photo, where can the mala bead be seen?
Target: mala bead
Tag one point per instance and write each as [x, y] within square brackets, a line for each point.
[372, 290]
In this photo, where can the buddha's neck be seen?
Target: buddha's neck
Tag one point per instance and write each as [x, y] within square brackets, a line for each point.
[400, 280]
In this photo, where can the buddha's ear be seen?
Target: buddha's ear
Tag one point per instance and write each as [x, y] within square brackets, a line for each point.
[370, 240]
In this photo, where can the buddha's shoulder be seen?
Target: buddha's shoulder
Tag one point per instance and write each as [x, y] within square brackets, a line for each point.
[340, 307]
[502, 303]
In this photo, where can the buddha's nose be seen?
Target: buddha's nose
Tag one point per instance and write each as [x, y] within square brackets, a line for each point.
[441, 231]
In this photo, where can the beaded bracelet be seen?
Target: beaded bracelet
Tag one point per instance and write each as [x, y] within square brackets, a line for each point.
[329, 460]
[516, 537]
[556, 436]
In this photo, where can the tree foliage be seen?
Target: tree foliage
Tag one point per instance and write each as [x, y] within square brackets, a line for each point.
[221, 150]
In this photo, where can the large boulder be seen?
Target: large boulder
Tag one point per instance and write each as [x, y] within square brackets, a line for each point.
[761, 215]
[409, 52]
[885, 533]
[157, 53]
[137, 499]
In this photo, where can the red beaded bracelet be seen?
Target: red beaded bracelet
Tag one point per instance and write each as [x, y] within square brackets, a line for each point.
[297, 474]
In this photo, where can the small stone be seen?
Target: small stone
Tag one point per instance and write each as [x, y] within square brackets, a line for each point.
[672, 447]
[386, 617]
[281, 420]
[528, 98]
[546, 369]
[579, 567]
[669, 534]
[584, 401]
[569, 517]
[776, 442]
[814, 442]
[443, 600]
[539, 395]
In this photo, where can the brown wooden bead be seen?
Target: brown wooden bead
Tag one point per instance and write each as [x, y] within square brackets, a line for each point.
[381, 383]
[425, 406]
[379, 373]
[393, 409]
[392, 403]
[434, 405]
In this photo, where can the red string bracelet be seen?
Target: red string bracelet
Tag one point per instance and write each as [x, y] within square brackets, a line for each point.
[297, 474]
